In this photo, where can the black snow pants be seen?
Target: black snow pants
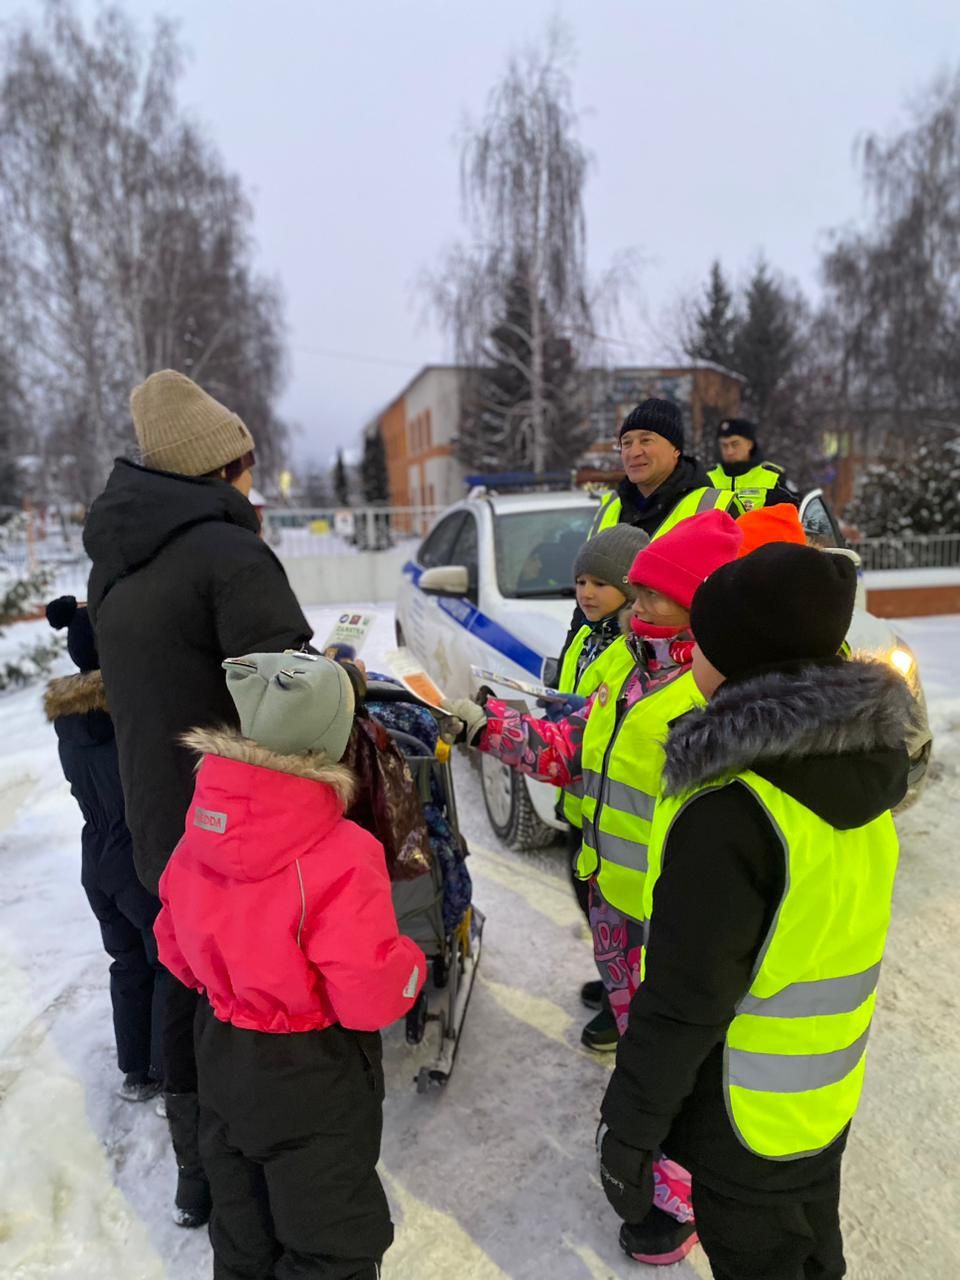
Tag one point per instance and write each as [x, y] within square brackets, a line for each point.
[137, 979]
[290, 1137]
[795, 1240]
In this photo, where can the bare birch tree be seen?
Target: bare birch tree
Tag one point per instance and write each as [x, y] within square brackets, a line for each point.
[128, 241]
[523, 171]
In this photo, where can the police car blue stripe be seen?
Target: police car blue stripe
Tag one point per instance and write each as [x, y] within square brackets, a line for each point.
[484, 628]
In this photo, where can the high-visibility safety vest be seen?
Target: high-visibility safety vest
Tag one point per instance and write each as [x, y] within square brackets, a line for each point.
[795, 1052]
[691, 504]
[752, 487]
[612, 667]
[622, 754]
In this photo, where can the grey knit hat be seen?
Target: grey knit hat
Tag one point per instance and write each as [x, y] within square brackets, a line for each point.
[609, 554]
[292, 703]
[182, 429]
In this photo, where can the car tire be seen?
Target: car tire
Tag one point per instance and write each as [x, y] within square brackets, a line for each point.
[509, 809]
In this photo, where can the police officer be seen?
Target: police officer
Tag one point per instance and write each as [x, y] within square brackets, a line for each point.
[662, 484]
[742, 467]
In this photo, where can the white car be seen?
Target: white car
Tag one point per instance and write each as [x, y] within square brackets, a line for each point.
[491, 586]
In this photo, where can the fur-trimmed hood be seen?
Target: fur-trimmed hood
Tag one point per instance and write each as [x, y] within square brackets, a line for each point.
[832, 735]
[75, 695]
[231, 745]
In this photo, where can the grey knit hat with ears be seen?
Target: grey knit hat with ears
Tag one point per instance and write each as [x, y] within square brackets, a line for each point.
[292, 703]
[609, 555]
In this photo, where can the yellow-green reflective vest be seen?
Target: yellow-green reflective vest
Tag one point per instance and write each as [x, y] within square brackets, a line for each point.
[795, 1052]
[691, 504]
[622, 755]
[612, 667]
[752, 487]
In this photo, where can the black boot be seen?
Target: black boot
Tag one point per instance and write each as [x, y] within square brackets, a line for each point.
[192, 1203]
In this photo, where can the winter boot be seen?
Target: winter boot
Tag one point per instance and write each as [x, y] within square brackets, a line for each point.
[139, 1086]
[659, 1239]
[600, 1034]
[192, 1204]
[591, 995]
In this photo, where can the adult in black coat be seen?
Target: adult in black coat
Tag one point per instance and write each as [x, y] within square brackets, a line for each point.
[180, 581]
[76, 706]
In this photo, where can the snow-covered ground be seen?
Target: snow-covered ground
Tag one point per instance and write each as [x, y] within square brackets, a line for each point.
[495, 1177]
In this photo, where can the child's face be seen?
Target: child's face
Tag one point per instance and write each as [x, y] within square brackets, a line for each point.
[659, 610]
[598, 599]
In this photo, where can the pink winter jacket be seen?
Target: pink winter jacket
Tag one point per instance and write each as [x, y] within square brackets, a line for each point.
[275, 906]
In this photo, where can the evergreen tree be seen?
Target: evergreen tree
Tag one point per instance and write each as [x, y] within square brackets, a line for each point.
[373, 469]
[497, 429]
[316, 488]
[922, 498]
[341, 481]
[767, 343]
[713, 328]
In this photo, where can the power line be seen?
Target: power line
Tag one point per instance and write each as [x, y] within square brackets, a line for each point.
[356, 356]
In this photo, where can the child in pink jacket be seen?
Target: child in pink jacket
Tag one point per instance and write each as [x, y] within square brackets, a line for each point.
[279, 911]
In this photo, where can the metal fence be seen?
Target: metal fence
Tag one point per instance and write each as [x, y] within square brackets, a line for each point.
[318, 531]
[938, 551]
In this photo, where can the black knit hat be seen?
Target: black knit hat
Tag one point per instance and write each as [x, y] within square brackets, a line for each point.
[779, 605]
[82, 647]
[737, 427]
[660, 416]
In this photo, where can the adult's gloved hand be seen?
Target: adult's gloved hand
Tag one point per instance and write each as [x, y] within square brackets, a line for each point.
[627, 1176]
[555, 710]
[465, 721]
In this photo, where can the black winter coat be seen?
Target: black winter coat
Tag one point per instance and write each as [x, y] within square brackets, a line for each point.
[830, 737]
[180, 581]
[76, 705]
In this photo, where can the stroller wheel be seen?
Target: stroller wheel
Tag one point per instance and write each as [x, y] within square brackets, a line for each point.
[417, 1019]
[441, 971]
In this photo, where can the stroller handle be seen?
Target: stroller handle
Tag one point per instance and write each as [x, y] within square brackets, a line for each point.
[381, 691]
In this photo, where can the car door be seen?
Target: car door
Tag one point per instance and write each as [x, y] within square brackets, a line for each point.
[457, 648]
[420, 617]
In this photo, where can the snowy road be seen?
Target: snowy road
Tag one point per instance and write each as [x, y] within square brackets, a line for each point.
[495, 1177]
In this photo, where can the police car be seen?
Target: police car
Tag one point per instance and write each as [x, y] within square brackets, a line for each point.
[491, 586]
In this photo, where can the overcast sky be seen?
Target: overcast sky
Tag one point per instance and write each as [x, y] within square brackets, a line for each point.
[717, 127]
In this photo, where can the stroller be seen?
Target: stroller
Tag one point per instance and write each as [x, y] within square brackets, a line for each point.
[435, 909]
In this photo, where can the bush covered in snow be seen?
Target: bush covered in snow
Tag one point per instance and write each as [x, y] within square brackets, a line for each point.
[20, 594]
[920, 495]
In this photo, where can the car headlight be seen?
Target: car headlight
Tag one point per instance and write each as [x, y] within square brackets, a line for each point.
[902, 660]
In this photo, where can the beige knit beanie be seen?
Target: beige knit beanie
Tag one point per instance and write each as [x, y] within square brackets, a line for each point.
[182, 429]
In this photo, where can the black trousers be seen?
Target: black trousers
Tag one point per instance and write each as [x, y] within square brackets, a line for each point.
[179, 1054]
[137, 979]
[792, 1241]
[290, 1131]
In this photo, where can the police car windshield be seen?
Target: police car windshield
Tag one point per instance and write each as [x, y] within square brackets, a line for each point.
[535, 551]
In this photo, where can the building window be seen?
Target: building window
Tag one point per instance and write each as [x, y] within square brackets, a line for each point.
[427, 432]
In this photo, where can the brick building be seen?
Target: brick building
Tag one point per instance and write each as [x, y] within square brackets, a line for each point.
[419, 427]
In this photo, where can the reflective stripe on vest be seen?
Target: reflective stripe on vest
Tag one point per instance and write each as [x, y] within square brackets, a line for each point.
[693, 503]
[613, 665]
[795, 1051]
[752, 487]
[622, 755]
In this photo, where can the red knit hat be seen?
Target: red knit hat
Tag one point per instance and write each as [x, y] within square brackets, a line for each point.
[780, 523]
[679, 561]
